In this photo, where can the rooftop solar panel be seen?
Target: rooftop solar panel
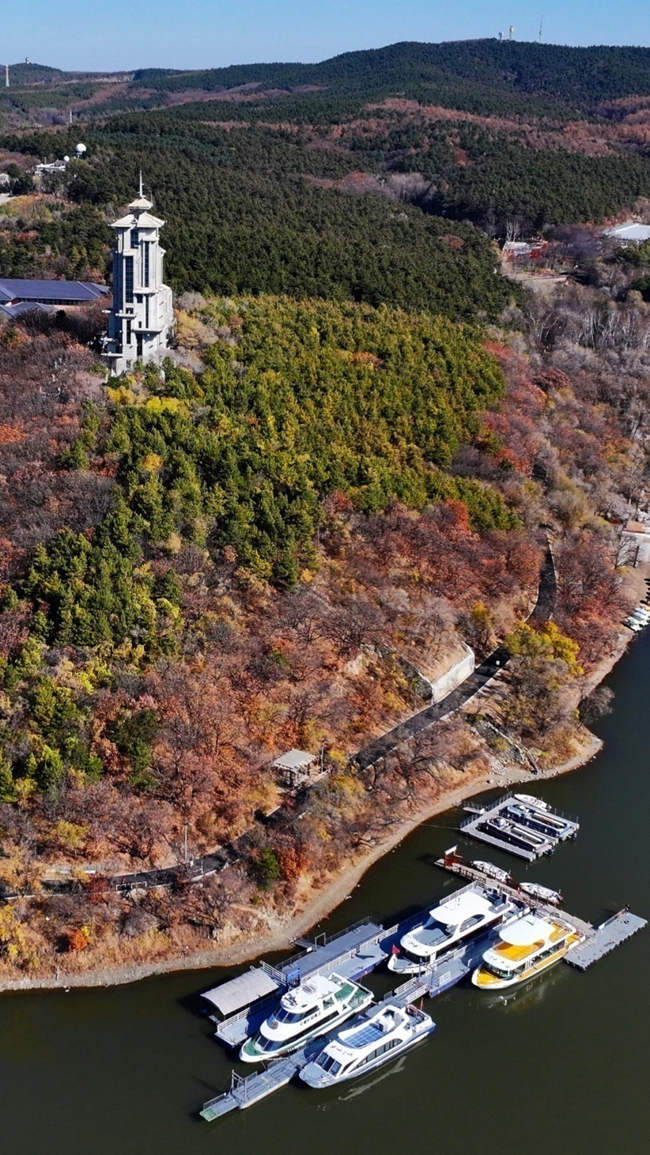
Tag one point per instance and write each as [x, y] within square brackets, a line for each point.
[30, 290]
[367, 1034]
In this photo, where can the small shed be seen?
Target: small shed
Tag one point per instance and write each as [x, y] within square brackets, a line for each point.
[295, 767]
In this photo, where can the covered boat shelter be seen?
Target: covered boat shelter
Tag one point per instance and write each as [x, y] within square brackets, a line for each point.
[230, 997]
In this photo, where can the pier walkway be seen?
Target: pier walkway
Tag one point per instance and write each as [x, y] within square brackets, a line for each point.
[361, 948]
[605, 938]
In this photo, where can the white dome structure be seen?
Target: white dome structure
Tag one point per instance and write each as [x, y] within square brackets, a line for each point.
[80, 149]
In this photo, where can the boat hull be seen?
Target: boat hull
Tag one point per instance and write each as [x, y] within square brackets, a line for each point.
[399, 965]
[314, 1076]
[257, 1056]
[484, 980]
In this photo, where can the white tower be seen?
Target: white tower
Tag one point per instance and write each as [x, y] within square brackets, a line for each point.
[142, 314]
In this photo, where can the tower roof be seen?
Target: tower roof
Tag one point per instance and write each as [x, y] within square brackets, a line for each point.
[138, 221]
[141, 205]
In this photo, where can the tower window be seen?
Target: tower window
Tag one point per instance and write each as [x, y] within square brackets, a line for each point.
[145, 274]
[135, 238]
[128, 279]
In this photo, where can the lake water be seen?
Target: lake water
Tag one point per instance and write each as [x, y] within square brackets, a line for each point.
[559, 1066]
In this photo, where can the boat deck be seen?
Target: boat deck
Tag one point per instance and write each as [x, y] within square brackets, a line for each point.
[605, 938]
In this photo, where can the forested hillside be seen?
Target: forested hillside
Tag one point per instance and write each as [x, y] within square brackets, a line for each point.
[241, 216]
[247, 163]
[344, 472]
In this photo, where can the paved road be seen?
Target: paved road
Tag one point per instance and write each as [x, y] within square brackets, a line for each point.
[489, 668]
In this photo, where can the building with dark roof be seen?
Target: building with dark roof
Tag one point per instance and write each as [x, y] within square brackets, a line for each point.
[15, 291]
[22, 307]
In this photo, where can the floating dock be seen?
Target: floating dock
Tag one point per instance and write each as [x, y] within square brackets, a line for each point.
[352, 953]
[431, 981]
[517, 826]
[605, 938]
[360, 949]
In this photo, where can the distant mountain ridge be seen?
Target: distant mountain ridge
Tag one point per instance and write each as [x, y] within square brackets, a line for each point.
[582, 74]
[559, 74]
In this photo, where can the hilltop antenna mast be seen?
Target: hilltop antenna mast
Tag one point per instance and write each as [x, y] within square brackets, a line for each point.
[511, 32]
[541, 26]
[6, 76]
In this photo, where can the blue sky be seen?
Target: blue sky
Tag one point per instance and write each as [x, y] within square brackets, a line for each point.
[125, 34]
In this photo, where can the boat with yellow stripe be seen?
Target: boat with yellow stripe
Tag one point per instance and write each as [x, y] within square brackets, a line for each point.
[527, 946]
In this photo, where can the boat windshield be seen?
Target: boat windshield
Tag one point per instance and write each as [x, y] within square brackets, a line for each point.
[329, 1063]
[502, 973]
[268, 1045]
[420, 960]
[283, 1015]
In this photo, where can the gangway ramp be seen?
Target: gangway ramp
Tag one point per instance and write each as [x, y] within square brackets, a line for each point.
[249, 1089]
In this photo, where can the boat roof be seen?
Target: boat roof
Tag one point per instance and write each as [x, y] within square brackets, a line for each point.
[464, 905]
[526, 930]
[231, 996]
[311, 990]
[366, 1034]
[538, 888]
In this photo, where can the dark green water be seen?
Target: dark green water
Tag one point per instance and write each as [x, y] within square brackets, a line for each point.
[561, 1066]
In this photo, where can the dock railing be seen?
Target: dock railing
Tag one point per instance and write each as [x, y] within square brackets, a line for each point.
[511, 795]
[278, 976]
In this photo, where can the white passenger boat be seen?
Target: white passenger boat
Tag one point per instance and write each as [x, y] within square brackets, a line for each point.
[315, 1006]
[378, 1037]
[459, 917]
[544, 893]
[530, 800]
[491, 871]
[526, 947]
